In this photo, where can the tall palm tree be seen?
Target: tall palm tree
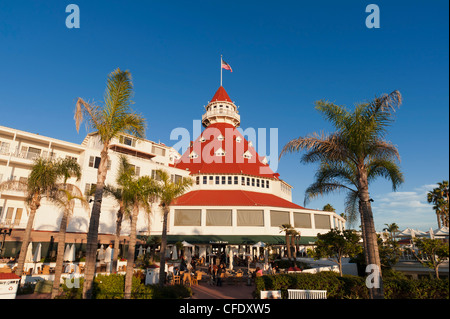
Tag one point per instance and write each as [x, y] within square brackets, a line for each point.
[124, 175]
[137, 192]
[359, 138]
[65, 197]
[168, 192]
[287, 230]
[45, 174]
[109, 121]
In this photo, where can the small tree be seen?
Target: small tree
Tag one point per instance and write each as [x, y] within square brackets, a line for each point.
[335, 245]
[435, 249]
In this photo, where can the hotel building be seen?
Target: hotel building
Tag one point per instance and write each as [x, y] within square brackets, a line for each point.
[236, 199]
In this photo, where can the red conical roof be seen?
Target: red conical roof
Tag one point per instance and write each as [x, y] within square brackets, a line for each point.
[221, 95]
[233, 144]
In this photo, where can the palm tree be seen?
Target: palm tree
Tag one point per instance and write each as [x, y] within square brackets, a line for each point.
[137, 193]
[440, 198]
[287, 229]
[65, 197]
[45, 174]
[358, 140]
[111, 120]
[168, 191]
[124, 174]
[392, 229]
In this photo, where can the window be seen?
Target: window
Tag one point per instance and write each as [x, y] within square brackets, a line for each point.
[31, 152]
[127, 140]
[236, 180]
[197, 180]
[250, 217]
[18, 216]
[137, 169]
[155, 175]
[230, 181]
[89, 189]
[247, 155]
[217, 180]
[322, 221]
[9, 214]
[267, 184]
[94, 161]
[220, 152]
[257, 183]
[218, 217]
[193, 155]
[205, 180]
[302, 220]
[278, 218]
[187, 217]
[248, 181]
[4, 148]
[223, 179]
[253, 182]
[211, 180]
[158, 150]
[71, 157]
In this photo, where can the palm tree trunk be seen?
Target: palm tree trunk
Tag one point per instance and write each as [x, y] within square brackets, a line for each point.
[373, 256]
[162, 253]
[288, 246]
[60, 253]
[92, 236]
[130, 255]
[363, 233]
[117, 239]
[26, 236]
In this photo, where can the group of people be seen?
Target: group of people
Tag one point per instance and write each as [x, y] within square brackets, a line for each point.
[216, 272]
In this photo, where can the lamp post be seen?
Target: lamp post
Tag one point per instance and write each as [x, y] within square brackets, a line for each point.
[4, 231]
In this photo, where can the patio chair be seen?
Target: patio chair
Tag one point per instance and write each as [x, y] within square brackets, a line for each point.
[197, 278]
[175, 280]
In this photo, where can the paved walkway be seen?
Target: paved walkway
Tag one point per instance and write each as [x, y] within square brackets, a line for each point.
[226, 291]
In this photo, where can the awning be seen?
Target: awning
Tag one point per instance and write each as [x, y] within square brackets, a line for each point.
[235, 239]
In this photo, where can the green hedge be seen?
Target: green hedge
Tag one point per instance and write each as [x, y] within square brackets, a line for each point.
[112, 287]
[353, 287]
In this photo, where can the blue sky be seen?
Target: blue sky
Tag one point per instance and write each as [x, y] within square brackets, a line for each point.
[285, 56]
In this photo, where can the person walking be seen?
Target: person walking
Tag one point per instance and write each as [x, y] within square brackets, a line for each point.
[220, 271]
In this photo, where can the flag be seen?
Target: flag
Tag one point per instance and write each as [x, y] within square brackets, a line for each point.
[226, 66]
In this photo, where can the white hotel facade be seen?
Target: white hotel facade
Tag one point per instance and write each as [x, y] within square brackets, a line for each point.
[236, 199]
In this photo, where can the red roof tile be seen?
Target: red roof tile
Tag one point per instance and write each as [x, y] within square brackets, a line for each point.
[4, 276]
[232, 198]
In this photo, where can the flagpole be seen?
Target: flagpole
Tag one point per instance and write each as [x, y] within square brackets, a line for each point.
[221, 70]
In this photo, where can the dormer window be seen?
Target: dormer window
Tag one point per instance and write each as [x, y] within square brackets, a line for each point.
[220, 152]
[202, 139]
[247, 155]
[264, 160]
[193, 155]
[238, 139]
[220, 137]
[250, 144]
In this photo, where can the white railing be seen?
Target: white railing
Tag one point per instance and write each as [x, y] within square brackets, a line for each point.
[306, 294]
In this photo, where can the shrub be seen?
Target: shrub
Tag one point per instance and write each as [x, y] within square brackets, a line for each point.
[395, 285]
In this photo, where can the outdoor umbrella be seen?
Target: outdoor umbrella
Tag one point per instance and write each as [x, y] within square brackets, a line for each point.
[140, 251]
[101, 253]
[420, 233]
[67, 253]
[259, 244]
[71, 253]
[431, 233]
[186, 244]
[174, 252]
[37, 253]
[442, 232]
[408, 232]
[29, 255]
